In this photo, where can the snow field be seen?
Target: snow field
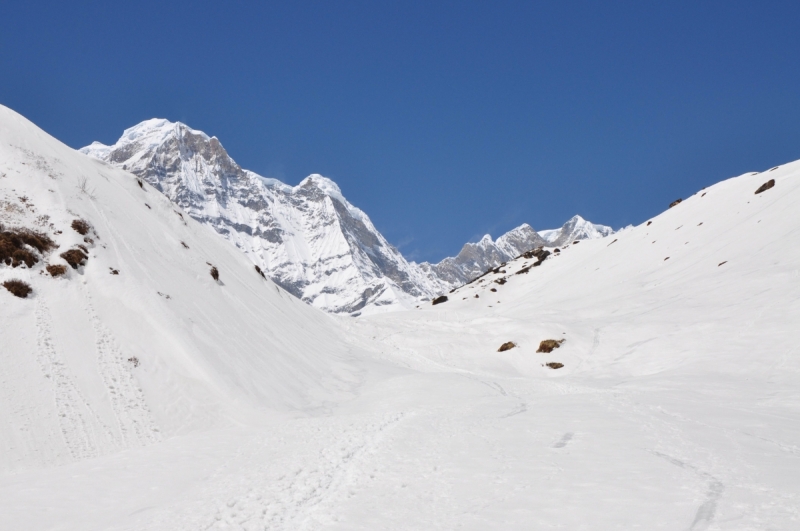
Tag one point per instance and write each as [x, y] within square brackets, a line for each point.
[677, 407]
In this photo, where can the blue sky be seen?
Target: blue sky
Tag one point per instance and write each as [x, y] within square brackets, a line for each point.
[442, 120]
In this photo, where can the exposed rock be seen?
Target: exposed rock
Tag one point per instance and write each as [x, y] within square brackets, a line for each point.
[555, 365]
[440, 299]
[506, 346]
[676, 202]
[549, 344]
[766, 186]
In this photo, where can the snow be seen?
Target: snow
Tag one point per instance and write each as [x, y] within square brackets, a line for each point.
[307, 238]
[677, 407]
[576, 228]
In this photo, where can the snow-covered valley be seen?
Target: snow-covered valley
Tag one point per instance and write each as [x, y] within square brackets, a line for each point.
[160, 397]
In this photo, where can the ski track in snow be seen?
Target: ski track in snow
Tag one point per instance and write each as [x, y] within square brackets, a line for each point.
[71, 406]
[297, 490]
[134, 420]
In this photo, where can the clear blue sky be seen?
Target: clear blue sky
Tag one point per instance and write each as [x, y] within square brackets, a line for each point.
[441, 120]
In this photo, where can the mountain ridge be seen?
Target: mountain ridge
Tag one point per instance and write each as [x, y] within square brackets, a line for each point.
[308, 238]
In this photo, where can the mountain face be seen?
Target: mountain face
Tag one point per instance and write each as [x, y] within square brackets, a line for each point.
[475, 258]
[307, 238]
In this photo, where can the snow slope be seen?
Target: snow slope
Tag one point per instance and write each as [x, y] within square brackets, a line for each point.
[678, 405]
[207, 353]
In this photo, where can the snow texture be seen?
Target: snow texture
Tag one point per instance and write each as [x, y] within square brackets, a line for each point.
[308, 238]
[677, 406]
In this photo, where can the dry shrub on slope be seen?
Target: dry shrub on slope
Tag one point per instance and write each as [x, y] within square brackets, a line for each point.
[18, 288]
[75, 257]
[56, 270]
[81, 226]
[14, 246]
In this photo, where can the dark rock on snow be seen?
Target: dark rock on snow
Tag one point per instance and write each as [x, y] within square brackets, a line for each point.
[766, 186]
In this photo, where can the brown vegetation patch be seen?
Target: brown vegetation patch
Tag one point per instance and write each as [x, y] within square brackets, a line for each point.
[214, 273]
[57, 270]
[75, 257]
[506, 346]
[18, 288]
[548, 345]
[440, 299]
[14, 246]
[81, 226]
[555, 365]
[766, 186]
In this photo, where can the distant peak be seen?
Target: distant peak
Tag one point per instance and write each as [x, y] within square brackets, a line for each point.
[155, 131]
[322, 183]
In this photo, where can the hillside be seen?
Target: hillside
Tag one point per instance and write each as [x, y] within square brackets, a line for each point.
[139, 343]
[161, 398]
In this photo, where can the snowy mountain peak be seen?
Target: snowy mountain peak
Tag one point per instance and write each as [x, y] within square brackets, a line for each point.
[576, 228]
[308, 238]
